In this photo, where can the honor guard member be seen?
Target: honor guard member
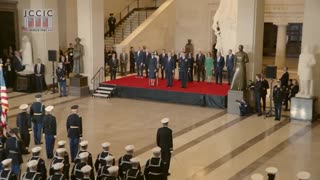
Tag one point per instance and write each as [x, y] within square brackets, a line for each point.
[58, 172]
[113, 173]
[60, 159]
[103, 171]
[100, 161]
[14, 151]
[124, 161]
[41, 165]
[37, 112]
[24, 125]
[164, 141]
[86, 170]
[303, 175]
[271, 172]
[6, 173]
[155, 168]
[83, 148]
[49, 131]
[32, 173]
[61, 144]
[76, 172]
[74, 129]
[134, 173]
[277, 100]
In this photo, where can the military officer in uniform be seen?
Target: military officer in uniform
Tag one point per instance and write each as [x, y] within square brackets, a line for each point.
[184, 69]
[50, 131]
[76, 172]
[155, 168]
[74, 129]
[83, 148]
[58, 172]
[24, 125]
[113, 173]
[164, 141]
[37, 112]
[41, 165]
[6, 172]
[103, 170]
[14, 151]
[86, 170]
[100, 161]
[32, 172]
[134, 173]
[124, 161]
[60, 159]
[277, 100]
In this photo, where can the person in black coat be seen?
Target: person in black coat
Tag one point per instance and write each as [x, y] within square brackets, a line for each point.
[49, 131]
[6, 172]
[200, 60]
[24, 125]
[169, 69]
[139, 62]
[124, 161]
[162, 60]
[146, 59]
[219, 65]
[265, 87]
[13, 148]
[61, 77]
[58, 172]
[184, 68]
[41, 165]
[113, 66]
[277, 100]
[165, 142]
[230, 63]
[32, 172]
[39, 71]
[191, 64]
[285, 77]
[257, 93]
[132, 58]
[156, 168]
[134, 173]
[37, 112]
[112, 24]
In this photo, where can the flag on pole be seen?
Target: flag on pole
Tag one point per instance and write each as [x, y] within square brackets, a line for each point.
[4, 101]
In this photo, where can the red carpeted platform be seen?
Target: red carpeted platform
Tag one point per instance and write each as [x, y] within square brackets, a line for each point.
[192, 87]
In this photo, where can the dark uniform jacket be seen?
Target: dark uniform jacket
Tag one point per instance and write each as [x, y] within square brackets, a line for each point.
[41, 166]
[24, 123]
[103, 172]
[57, 176]
[134, 174]
[110, 178]
[66, 157]
[74, 126]
[37, 111]
[66, 166]
[90, 161]
[31, 176]
[14, 150]
[169, 66]
[100, 161]
[124, 164]
[7, 174]
[155, 169]
[164, 138]
[76, 172]
[49, 125]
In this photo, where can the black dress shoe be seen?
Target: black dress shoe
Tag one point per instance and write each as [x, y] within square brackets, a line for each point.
[168, 174]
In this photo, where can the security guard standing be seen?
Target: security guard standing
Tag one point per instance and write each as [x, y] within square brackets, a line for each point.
[76, 172]
[24, 125]
[58, 172]
[164, 141]
[103, 170]
[50, 131]
[155, 168]
[14, 151]
[6, 173]
[100, 161]
[32, 172]
[37, 112]
[74, 129]
[184, 69]
[60, 159]
[134, 173]
[277, 100]
[124, 161]
[41, 165]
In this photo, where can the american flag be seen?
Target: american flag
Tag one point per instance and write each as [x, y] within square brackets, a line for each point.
[38, 22]
[4, 101]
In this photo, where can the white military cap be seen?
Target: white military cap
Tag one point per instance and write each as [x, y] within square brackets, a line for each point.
[257, 177]
[23, 106]
[49, 108]
[105, 144]
[156, 150]
[36, 149]
[86, 169]
[58, 166]
[6, 162]
[83, 155]
[165, 120]
[61, 150]
[83, 143]
[61, 143]
[113, 169]
[272, 170]
[135, 160]
[129, 148]
[109, 158]
[32, 163]
[303, 175]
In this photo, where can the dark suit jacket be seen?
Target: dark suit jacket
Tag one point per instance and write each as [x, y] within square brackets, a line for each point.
[113, 64]
[146, 58]
[230, 61]
[219, 65]
[162, 59]
[16, 64]
[139, 57]
[265, 87]
[164, 138]
[284, 79]
[42, 69]
[200, 59]
[169, 66]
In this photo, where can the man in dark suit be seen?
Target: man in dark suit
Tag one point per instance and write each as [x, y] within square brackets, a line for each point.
[285, 77]
[132, 59]
[17, 62]
[162, 60]
[218, 65]
[169, 68]
[265, 87]
[277, 100]
[257, 92]
[139, 62]
[39, 71]
[230, 63]
[112, 24]
[191, 63]
[164, 141]
[146, 59]
[184, 69]
[123, 63]
[200, 60]
[113, 66]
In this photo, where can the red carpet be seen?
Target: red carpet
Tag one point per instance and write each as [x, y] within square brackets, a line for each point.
[193, 87]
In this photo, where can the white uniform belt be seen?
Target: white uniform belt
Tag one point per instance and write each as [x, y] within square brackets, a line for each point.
[74, 127]
[37, 114]
[14, 152]
[156, 174]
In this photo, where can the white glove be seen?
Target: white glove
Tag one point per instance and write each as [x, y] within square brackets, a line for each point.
[30, 132]
[43, 135]
[55, 137]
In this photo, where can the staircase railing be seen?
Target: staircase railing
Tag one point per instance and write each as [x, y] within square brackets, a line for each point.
[98, 78]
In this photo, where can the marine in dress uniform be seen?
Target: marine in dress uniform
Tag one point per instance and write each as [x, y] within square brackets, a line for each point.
[100, 161]
[60, 159]
[6, 173]
[74, 129]
[124, 161]
[32, 173]
[41, 165]
[134, 173]
[24, 125]
[83, 148]
[50, 131]
[37, 112]
[155, 168]
[14, 151]
[277, 100]
[164, 141]
[58, 172]
[76, 172]
[184, 69]
[169, 69]
[113, 173]
[103, 170]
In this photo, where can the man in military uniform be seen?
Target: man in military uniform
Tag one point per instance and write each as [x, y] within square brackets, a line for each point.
[58, 172]
[24, 125]
[50, 131]
[100, 161]
[83, 148]
[184, 69]
[60, 159]
[164, 141]
[14, 151]
[41, 165]
[134, 173]
[74, 129]
[277, 100]
[6, 172]
[70, 55]
[155, 168]
[37, 112]
[76, 172]
[32, 171]
[124, 161]
[103, 170]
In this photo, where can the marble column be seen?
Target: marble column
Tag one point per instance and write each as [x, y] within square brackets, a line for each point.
[91, 31]
[280, 60]
[250, 26]
[309, 37]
